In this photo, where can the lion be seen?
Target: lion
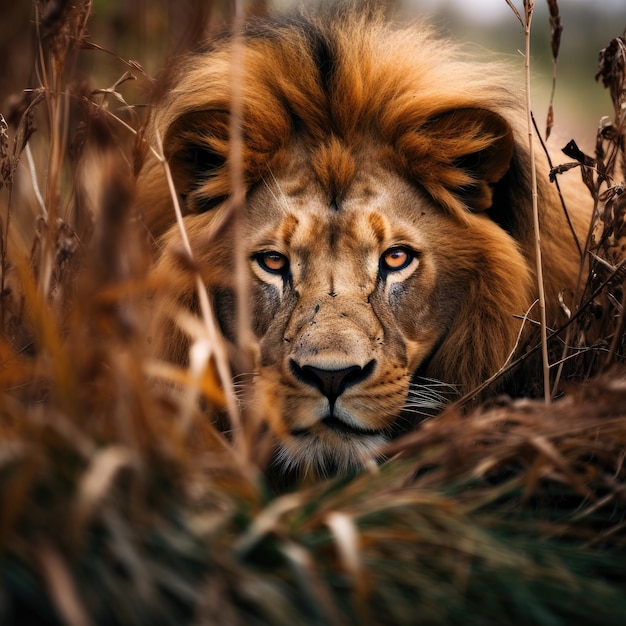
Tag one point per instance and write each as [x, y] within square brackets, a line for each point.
[387, 230]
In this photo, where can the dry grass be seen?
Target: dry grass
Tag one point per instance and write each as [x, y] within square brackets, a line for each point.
[122, 503]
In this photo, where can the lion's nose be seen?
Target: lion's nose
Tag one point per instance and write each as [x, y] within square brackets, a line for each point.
[331, 382]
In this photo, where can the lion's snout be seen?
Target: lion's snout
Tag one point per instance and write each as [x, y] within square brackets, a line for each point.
[331, 382]
[333, 346]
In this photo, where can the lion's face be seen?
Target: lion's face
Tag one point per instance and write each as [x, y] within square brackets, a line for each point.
[350, 297]
[363, 275]
[387, 225]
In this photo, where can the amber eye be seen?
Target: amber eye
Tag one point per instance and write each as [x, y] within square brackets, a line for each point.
[273, 262]
[396, 258]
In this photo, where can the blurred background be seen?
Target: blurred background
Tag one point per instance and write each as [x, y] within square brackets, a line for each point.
[149, 30]
[588, 26]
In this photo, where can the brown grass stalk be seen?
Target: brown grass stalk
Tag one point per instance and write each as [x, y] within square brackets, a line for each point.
[215, 342]
[526, 21]
[244, 336]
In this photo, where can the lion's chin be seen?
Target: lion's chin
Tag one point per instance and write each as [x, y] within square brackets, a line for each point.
[329, 453]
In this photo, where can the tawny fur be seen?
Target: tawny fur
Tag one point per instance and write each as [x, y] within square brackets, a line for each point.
[331, 105]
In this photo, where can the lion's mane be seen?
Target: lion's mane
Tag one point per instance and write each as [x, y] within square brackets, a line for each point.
[453, 127]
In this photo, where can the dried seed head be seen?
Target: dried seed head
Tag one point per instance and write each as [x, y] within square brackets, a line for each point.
[612, 71]
[62, 25]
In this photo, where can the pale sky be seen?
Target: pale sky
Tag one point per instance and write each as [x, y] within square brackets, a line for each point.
[487, 10]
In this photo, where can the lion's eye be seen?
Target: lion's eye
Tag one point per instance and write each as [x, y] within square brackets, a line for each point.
[273, 262]
[396, 258]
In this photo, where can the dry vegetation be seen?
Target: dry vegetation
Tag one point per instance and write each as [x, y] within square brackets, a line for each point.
[121, 503]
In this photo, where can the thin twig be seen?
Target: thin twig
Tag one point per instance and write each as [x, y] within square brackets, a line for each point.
[508, 363]
[529, 352]
[558, 187]
[618, 335]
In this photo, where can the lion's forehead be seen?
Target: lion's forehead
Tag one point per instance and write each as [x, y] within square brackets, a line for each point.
[354, 235]
[346, 232]
[336, 246]
[375, 212]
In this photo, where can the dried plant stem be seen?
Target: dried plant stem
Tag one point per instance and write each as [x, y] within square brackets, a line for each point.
[508, 363]
[50, 89]
[245, 339]
[221, 359]
[237, 176]
[33, 176]
[62, 587]
[529, 6]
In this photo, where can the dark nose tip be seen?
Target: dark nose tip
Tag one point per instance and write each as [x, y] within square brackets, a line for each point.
[330, 382]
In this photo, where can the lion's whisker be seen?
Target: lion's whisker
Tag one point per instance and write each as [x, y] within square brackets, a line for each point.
[281, 198]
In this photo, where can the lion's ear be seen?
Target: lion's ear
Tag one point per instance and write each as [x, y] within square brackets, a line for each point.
[468, 150]
[196, 148]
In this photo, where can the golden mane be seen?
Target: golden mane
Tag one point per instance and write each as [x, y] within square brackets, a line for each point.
[394, 83]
